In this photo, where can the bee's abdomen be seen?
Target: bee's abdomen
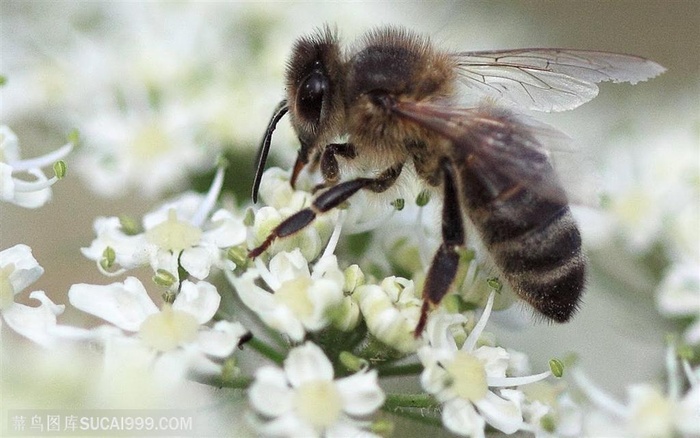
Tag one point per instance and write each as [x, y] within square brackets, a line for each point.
[537, 246]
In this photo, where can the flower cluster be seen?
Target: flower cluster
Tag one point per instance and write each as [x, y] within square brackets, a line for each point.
[309, 337]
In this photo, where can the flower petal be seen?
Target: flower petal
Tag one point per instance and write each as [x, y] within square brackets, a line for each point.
[289, 265]
[288, 425]
[229, 230]
[270, 393]
[263, 303]
[26, 269]
[200, 299]
[197, 261]
[125, 305]
[361, 393]
[307, 363]
[35, 323]
[459, 416]
[504, 415]
[222, 339]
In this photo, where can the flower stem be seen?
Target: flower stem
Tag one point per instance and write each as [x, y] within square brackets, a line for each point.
[398, 401]
[412, 406]
[241, 382]
[400, 370]
[267, 351]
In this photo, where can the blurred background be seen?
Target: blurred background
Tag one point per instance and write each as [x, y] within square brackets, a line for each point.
[158, 90]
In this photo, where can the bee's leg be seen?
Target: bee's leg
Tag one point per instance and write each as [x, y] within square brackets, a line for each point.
[329, 164]
[443, 268]
[328, 200]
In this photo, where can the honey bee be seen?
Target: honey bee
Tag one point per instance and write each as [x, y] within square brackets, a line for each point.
[396, 98]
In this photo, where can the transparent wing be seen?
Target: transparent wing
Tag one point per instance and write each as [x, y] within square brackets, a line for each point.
[549, 79]
[501, 147]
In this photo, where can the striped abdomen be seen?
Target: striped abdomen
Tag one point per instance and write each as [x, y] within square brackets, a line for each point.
[532, 238]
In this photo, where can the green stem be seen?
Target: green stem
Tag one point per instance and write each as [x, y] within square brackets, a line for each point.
[267, 351]
[398, 401]
[418, 417]
[400, 370]
[242, 382]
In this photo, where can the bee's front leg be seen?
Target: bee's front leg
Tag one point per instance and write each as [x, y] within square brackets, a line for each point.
[328, 200]
[329, 163]
[443, 268]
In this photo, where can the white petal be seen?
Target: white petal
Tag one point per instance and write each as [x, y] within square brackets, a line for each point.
[459, 416]
[130, 251]
[270, 393]
[35, 323]
[24, 195]
[438, 334]
[125, 305]
[434, 377]
[263, 303]
[9, 144]
[324, 294]
[289, 425]
[171, 367]
[679, 292]
[289, 265]
[197, 261]
[361, 393]
[253, 296]
[222, 339]
[229, 230]
[686, 417]
[346, 428]
[26, 269]
[504, 415]
[307, 363]
[495, 360]
[200, 299]
[327, 267]
[7, 183]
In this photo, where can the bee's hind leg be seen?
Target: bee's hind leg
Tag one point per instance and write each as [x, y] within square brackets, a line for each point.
[328, 200]
[443, 268]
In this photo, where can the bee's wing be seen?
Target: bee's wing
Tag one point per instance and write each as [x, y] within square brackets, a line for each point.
[549, 79]
[498, 145]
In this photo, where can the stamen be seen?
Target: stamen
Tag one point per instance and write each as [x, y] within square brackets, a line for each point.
[210, 199]
[517, 381]
[43, 161]
[333, 241]
[479, 327]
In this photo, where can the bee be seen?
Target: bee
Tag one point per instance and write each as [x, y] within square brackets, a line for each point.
[398, 100]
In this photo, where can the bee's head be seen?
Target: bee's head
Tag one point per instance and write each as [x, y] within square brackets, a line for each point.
[314, 90]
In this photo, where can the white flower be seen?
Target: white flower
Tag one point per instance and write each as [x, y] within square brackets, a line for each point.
[19, 269]
[28, 194]
[653, 194]
[301, 301]
[180, 233]
[550, 412]
[176, 331]
[391, 311]
[305, 400]
[460, 378]
[153, 150]
[679, 295]
[648, 412]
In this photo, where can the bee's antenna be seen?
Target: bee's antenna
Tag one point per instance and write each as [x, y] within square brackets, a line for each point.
[261, 158]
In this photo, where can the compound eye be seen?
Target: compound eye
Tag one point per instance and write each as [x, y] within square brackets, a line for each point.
[310, 96]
